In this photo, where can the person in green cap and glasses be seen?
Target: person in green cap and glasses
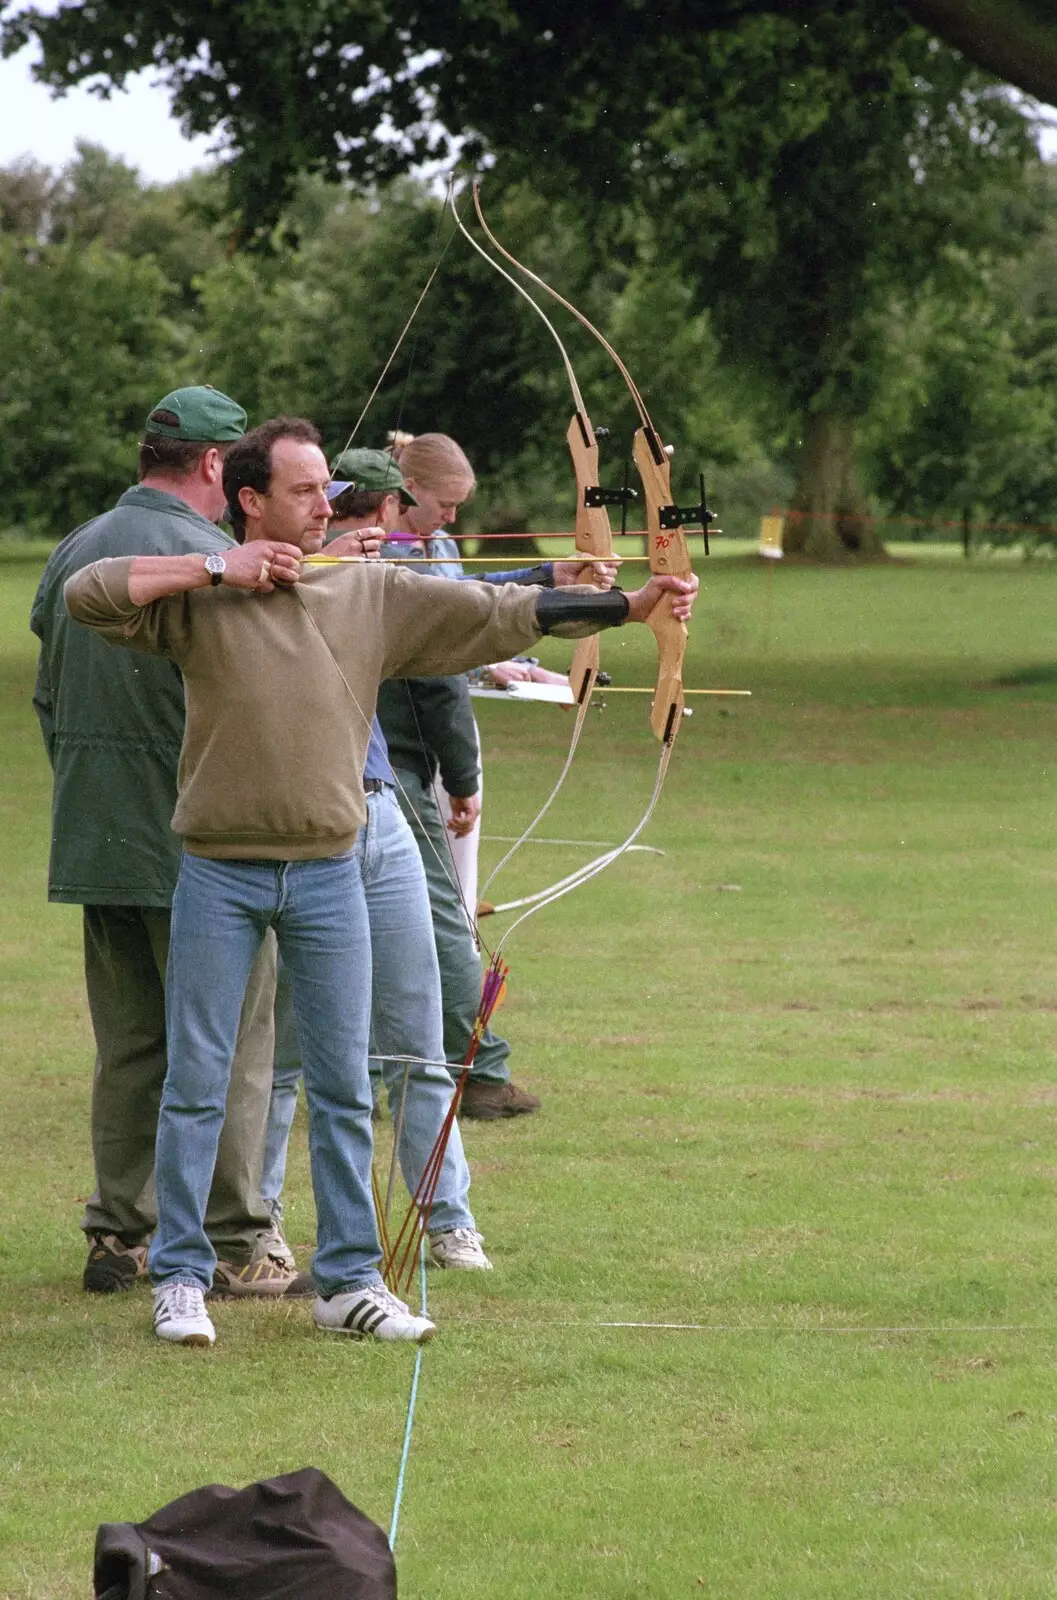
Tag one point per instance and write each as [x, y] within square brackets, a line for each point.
[113, 725]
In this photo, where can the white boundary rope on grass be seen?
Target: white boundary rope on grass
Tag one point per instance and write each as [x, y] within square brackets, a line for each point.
[926, 1330]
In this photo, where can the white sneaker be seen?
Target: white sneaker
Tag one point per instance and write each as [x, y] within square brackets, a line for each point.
[371, 1312]
[460, 1248]
[180, 1314]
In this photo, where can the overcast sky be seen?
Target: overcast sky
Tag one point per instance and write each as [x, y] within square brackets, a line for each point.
[134, 124]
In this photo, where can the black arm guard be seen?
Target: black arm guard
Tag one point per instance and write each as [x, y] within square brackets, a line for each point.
[576, 613]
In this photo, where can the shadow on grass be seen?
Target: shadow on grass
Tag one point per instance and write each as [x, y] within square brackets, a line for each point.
[1039, 677]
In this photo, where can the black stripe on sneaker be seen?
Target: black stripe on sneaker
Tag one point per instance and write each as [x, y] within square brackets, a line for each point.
[364, 1317]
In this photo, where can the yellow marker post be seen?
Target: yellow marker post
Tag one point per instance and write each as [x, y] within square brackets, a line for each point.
[771, 530]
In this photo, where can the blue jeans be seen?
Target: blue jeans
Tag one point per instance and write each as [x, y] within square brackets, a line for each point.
[221, 910]
[459, 957]
[405, 1019]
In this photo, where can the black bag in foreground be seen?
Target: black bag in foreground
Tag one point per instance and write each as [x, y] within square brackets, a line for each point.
[282, 1539]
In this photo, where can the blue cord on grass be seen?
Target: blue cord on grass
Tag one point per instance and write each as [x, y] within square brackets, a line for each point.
[410, 1409]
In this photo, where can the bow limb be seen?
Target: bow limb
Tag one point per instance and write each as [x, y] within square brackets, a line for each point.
[580, 419]
[593, 535]
[640, 404]
[667, 547]
[394, 352]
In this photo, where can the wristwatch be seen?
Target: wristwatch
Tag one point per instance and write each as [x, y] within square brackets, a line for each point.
[216, 566]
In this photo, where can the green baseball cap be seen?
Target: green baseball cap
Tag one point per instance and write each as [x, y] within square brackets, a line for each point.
[200, 413]
[369, 470]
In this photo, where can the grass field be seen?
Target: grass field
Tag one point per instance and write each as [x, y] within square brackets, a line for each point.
[799, 1092]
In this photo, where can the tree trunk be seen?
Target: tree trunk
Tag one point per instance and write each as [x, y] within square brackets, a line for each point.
[829, 520]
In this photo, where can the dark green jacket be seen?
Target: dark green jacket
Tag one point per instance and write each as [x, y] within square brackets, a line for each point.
[429, 728]
[113, 720]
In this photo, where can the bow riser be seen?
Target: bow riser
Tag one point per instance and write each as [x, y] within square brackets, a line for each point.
[668, 554]
[584, 668]
[594, 538]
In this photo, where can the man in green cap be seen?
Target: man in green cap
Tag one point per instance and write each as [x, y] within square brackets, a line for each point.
[113, 725]
[370, 472]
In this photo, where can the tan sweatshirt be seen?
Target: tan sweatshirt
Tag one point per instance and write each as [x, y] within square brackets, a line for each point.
[281, 688]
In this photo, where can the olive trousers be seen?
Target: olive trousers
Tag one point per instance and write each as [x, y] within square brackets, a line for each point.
[126, 949]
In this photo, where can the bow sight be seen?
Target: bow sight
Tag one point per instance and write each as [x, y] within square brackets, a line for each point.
[669, 516]
[674, 516]
[595, 495]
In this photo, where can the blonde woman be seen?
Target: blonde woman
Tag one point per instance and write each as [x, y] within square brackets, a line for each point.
[431, 733]
[446, 478]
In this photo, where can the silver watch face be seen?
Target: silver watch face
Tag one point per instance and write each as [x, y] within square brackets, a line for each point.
[215, 565]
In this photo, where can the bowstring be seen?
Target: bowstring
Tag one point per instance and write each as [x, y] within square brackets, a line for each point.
[448, 868]
[593, 868]
[438, 263]
[581, 718]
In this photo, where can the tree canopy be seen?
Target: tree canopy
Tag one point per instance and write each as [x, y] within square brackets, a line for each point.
[296, 86]
[156, 299]
[797, 169]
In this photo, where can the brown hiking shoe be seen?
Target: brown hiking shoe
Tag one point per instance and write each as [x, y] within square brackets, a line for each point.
[266, 1277]
[112, 1264]
[489, 1102]
[273, 1243]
